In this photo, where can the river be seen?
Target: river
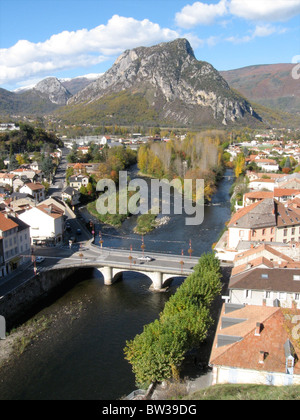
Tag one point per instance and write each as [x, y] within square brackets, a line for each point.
[80, 356]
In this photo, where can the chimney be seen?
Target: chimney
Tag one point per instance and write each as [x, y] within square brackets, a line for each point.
[258, 329]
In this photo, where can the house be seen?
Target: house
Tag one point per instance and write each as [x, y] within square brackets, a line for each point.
[268, 165]
[255, 196]
[267, 220]
[20, 205]
[288, 224]
[35, 166]
[281, 194]
[7, 178]
[62, 205]
[256, 222]
[32, 176]
[72, 195]
[289, 181]
[36, 190]
[15, 243]
[264, 284]
[285, 194]
[78, 181]
[105, 140]
[46, 223]
[256, 344]
[83, 149]
[262, 184]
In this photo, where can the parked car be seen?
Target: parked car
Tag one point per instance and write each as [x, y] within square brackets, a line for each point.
[78, 231]
[145, 258]
[39, 259]
[68, 226]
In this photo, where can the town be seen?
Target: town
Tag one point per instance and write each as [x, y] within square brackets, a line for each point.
[261, 242]
[257, 339]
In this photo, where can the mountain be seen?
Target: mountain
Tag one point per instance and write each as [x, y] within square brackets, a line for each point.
[270, 85]
[75, 84]
[168, 83]
[41, 99]
[54, 90]
[29, 102]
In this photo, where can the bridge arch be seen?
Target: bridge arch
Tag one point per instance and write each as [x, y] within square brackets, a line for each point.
[169, 278]
[158, 279]
[155, 277]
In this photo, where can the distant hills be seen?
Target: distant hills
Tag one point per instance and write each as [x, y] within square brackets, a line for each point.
[43, 98]
[270, 85]
[164, 85]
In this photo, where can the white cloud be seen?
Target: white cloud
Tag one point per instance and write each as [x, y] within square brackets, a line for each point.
[200, 13]
[265, 10]
[260, 31]
[81, 48]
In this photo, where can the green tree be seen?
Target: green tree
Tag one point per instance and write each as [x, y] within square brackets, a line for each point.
[158, 352]
[47, 167]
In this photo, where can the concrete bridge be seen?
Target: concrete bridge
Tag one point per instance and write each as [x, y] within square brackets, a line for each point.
[112, 263]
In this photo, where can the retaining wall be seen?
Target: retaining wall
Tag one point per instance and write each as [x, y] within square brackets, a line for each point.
[17, 303]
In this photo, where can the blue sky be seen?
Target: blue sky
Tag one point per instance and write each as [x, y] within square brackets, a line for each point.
[69, 38]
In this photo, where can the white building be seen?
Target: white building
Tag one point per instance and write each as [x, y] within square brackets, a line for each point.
[36, 190]
[46, 223]
[15, 238]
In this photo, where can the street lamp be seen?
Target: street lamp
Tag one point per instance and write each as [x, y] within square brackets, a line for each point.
[130, 256]
[100, 240]
[190, 249]
[181, 261]
[143, 245]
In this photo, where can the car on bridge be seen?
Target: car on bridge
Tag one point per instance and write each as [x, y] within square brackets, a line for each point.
[39, 259]
[145, 258]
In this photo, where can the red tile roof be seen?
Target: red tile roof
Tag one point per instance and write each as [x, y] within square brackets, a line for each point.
[6, 223]
[245, 353]
[51, 210]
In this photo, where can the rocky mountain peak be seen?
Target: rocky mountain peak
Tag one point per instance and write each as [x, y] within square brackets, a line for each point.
[178, 86]
[53, 89]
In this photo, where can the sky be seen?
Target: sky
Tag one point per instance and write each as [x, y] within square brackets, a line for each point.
[70, 38]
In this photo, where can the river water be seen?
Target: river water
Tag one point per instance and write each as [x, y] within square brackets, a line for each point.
[80, 356]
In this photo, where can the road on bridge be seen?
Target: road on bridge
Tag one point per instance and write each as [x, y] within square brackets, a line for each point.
[87, 255]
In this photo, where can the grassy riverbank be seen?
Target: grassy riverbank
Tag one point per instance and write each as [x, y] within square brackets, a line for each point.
[115, 220]
[247, 392]
[23, 336]
[145, 224]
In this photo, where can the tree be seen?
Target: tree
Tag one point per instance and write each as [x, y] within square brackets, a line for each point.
[47, 167]
[239, 165]
[158, 352]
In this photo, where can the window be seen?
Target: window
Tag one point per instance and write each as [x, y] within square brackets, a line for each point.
[296, 277]
[265, 276]
[248, 294]
[293, 231]
[264, 231]
[285, 232]
[268, 294]
[242, 233]
[297, 296]
[282, 295]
